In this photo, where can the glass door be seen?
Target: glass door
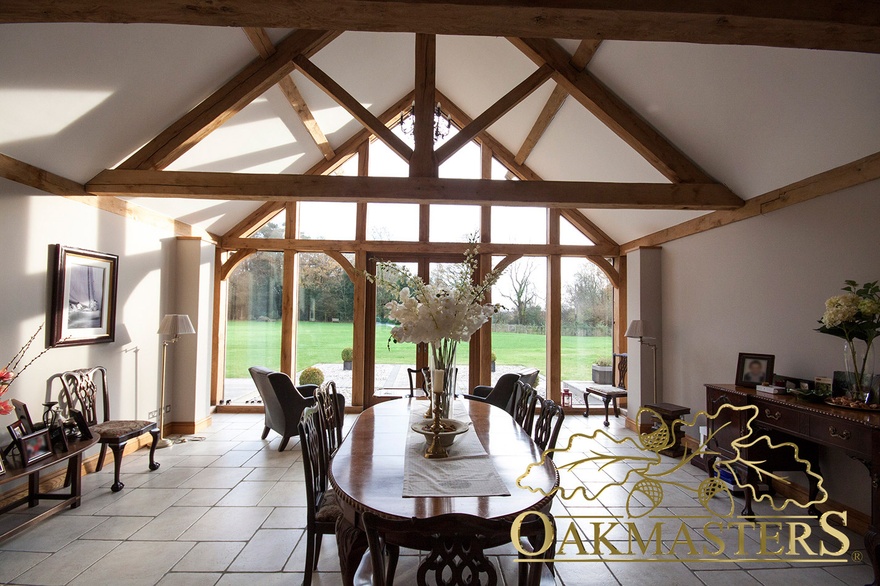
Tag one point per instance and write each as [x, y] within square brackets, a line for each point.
[391, 361]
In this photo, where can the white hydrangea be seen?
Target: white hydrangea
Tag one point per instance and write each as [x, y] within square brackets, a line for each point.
[840, 309]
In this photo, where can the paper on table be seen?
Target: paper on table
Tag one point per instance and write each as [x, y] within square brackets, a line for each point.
[468, 471]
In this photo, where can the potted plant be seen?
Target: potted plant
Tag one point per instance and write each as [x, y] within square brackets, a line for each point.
[311, 376]
[603, 372]
[347, 354]
[493, 361]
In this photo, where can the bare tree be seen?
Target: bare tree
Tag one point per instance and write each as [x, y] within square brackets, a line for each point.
[522, 292]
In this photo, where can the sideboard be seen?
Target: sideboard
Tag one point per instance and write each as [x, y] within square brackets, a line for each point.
[807, 425]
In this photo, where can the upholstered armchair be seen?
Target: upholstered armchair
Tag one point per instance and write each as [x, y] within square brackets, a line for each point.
[282, 401]
[502, 395]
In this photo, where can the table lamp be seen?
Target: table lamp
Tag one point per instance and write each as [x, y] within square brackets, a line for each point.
[174, 325]
[636, 329]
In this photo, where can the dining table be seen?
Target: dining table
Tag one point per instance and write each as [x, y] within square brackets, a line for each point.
[368, 470]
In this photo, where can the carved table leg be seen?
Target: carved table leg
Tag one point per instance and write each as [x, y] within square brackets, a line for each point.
[117, 450]
[351, 543]
[606, 400]
[586, 404]
[74, 474]
[872, 545]
[154, 465]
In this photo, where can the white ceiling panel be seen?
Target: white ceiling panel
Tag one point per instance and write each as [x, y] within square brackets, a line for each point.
[625, 225]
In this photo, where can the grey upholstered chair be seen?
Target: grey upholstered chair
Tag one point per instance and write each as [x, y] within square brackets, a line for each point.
[502, 395]
[282, 401]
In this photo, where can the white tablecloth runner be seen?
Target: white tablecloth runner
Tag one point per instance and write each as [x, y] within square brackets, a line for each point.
[468, 471]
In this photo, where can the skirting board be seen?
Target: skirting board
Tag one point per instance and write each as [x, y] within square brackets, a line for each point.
[187, 427]
[55, 480]
[857, 521]
[633, 426]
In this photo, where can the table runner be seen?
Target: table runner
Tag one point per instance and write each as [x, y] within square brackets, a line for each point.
[467, 472]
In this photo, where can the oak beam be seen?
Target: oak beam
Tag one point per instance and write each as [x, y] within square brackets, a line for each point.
[849, 175]
[582, 56]
[424, 162]
[26, 174]
[607, 268]
[423, 190]
[506, 103]
[846, 25]
[353, 106]
[613, 112]
[235, 259]
[241, 90]
[260, 40]
[344, 263]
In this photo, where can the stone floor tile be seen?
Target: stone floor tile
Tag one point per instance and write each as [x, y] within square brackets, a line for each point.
[67, 563]
[170, 524]
[227, 524]
[202, 497]
[52, 534]
[189, 579]
[246, 494]
[15, 563]
[799, 576]
[117, 528]
[210, 556]
[217, 478]
[135, 563]
[267, 551]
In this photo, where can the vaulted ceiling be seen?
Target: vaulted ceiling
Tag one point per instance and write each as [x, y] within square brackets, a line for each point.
[80, 98]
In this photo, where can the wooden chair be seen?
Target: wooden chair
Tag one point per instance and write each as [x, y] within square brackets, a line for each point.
[332, 407]
[80, 391]
[609, 393]
[456, 546]
[413, 381]
[524, 408]
[283, 403]
[322, 509]
[547, 426]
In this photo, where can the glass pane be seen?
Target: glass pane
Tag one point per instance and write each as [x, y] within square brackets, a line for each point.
[347, 169]
[514, 225]
[393, 221]
[386, 163]
[253, 329]
[568, 234]
[327, 220]
[499, 171]
[274, 228]
[519, 331]
[392, 360]
[326, 311]
[464, 164]
[454, 223]
[587, 315]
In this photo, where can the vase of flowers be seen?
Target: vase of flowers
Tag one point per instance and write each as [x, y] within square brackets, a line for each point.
[854, 316]
[441, 314]
[10, 372]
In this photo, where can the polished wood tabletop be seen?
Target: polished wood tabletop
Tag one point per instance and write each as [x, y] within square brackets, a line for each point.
[367, 471]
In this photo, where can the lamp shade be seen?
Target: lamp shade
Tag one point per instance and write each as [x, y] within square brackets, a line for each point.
[176, 324]
[636, 329]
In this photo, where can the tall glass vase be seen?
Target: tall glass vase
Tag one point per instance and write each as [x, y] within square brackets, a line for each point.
[858, 359]
[441, 361]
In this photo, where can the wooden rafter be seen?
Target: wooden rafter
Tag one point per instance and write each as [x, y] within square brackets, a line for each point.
[233, 261]
[607, 268]
[502, 153]
[494, 112]
[344, 263]
[264, 46]
[32, 176]
[384, 247]
[581, 58]
[354, 107]
[849, 175]
[506, 262]
[613, 112]
[425, 190]
[241, 90]
[847, 25]
[423, 162]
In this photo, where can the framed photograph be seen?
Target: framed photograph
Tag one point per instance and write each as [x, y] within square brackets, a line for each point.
[16, 430]
[81, 424]
[83, 307]
[754, 369]
[22, 414]
[35, 447]
[2, 467]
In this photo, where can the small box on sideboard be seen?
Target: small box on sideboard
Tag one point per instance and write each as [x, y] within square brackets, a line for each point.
[770, 389]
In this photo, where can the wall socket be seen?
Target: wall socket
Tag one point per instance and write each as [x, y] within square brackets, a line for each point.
[154, 414]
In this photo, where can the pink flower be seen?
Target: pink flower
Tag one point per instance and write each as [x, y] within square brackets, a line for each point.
[6, 377]
[5, 408]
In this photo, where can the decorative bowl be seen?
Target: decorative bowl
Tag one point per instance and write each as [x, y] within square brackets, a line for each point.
[812, 395]
[450, 429]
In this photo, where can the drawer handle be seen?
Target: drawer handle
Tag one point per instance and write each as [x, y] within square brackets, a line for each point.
[844, 435]
[773, 416]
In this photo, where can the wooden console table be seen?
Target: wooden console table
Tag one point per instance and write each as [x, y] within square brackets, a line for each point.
[74, 457]
[807, 425]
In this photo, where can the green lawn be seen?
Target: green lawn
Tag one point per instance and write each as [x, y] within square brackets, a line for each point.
[251, 343]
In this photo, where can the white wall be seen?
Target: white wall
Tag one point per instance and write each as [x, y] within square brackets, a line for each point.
[760, 286]
[32, 221]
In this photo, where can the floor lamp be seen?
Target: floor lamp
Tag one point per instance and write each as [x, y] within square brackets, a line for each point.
[636, 329]
[174, 325]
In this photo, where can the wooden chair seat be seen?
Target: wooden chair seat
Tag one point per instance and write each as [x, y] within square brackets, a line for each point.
[329, 510]
[122, 430]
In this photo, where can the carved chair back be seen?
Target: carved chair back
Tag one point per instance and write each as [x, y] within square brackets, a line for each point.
[328, 401]
[547, 426]
[79, 390]
[314, 447]
[524, 408]
[622, 365]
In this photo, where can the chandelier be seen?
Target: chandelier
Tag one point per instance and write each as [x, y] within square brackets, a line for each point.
[442, 123]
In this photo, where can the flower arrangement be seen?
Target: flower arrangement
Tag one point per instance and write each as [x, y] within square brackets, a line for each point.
[10, 372]
[855, 315]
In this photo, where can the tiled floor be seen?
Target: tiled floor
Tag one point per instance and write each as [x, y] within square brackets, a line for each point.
[230, 510]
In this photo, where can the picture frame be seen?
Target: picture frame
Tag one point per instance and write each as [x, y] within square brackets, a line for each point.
[2, 467]
[83, 306]
[35, 447]
[16, 430]
[750, 367]
[23, 415]
[81, 424]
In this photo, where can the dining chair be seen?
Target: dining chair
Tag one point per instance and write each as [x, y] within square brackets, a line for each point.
[283, 403]
[413, 374]
[524, 408]
[322, 509]
[502, 395]
[80, 391]
[332, 408]
[456, 547]
[547, 426]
